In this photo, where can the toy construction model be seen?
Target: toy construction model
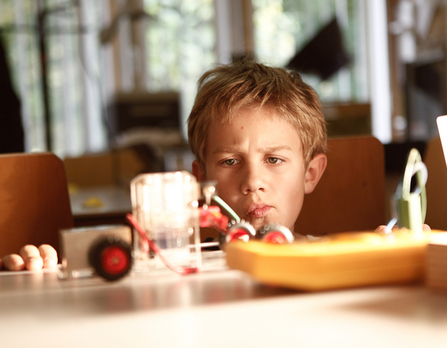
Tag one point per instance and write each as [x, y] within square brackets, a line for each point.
[166, 219]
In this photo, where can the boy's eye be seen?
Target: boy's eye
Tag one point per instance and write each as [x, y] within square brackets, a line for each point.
[229, 162]
[274, 160]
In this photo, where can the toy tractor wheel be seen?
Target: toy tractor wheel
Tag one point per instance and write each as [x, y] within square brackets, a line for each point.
[238, 231]
[275, 234]
[111, 258]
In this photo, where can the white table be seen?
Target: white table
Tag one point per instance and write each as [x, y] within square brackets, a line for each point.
[216, 308]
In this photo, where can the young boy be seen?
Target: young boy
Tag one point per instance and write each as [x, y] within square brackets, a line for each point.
[260, 133]
[256, 130]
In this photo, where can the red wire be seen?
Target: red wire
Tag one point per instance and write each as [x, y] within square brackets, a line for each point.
[156, 248]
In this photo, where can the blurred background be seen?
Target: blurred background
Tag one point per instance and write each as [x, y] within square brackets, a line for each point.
[110, 82]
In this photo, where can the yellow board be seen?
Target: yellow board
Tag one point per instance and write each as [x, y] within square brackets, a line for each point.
[340, 261]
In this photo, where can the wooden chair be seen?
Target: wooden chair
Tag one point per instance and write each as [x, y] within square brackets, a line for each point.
[103, 169]
[436, 186]
[34, 201]
[351, 194]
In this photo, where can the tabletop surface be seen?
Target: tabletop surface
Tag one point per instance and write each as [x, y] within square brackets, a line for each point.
[215, 308]
[100, 200]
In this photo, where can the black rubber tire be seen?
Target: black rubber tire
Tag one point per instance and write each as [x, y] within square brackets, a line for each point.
[100, 252]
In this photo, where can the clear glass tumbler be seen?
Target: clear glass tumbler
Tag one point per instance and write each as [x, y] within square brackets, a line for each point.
[166, 207]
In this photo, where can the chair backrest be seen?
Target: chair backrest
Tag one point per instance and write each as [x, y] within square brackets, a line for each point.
[103, 169]
[436, 186]
[34, 201]
[351, 194]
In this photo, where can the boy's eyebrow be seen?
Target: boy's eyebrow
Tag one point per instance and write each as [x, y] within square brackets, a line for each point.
[231, 149]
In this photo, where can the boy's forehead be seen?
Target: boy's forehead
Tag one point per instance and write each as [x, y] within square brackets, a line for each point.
[267, 129]
[252, 113]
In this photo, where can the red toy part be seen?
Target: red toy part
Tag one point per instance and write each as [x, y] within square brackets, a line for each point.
[212, 217]
[275, 234]
[238, 234]
[275, 238]
[114, 260]
[111, 257]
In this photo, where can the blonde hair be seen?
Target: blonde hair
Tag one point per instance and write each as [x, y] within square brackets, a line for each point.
[224, 90]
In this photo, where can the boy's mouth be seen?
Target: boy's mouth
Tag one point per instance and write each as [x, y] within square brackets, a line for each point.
[258, 210]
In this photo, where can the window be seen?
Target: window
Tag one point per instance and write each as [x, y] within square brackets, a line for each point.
[83, 73]
[180, 46]
[283, 27]
[71, 61]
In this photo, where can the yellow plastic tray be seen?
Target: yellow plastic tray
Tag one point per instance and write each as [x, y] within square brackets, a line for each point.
[340, 261]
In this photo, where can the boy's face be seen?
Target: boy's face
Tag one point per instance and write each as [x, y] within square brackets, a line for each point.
[257, 161]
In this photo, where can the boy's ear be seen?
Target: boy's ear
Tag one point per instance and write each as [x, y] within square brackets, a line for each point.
[314, 171]
[198, 172]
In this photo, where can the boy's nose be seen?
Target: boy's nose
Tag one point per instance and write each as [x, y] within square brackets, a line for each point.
[252, 180]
